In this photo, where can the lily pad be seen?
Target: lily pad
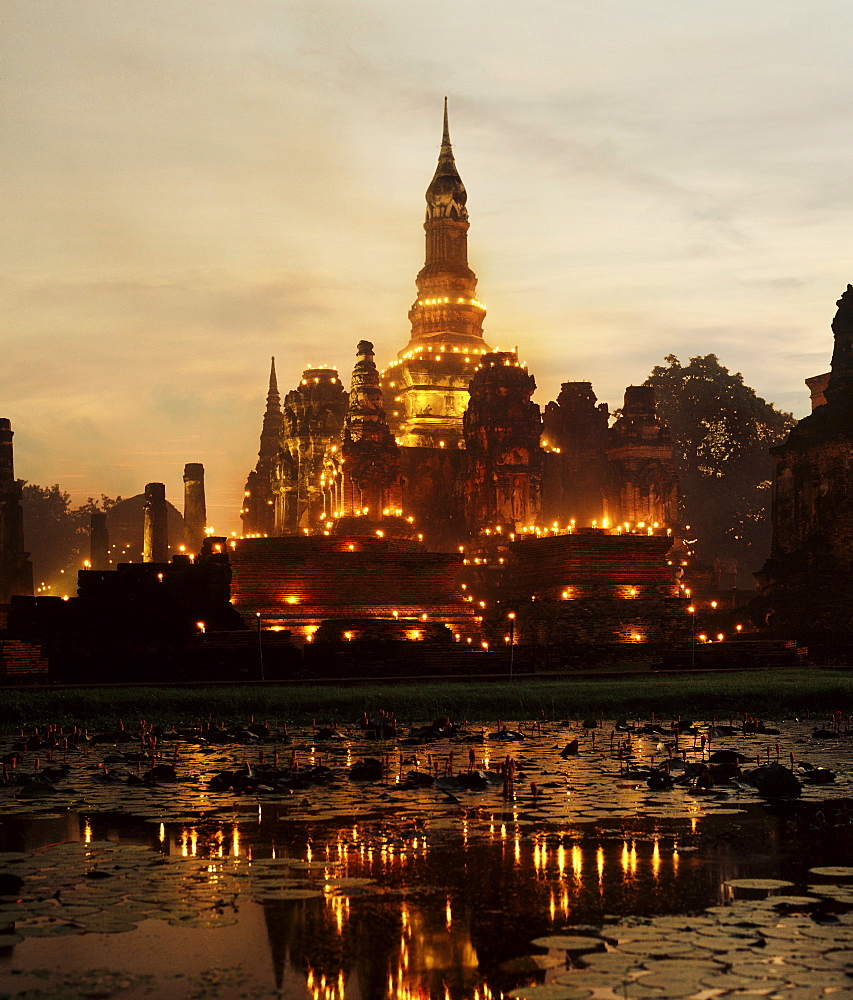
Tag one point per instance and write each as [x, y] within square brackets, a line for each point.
[832, 871]
[563, 942]
[555, 991]
[768, 884]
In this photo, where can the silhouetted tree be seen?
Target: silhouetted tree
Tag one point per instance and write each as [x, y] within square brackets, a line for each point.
[721, 434]
[57, 534]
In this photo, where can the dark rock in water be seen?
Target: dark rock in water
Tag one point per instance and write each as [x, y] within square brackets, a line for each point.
[9, 884]
[506, 736]
[258, 729]
[96, 873]
[369, 769]
[590, 724]
[326, 734]
[418, 779]
[727, 757]
[816, 775]
[824, 734]
[571, 749]
[724, 772]
[659, 781]
[474, 780]
[161, 772]
[774, 781]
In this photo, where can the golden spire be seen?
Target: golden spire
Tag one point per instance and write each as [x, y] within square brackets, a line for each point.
[446, 194]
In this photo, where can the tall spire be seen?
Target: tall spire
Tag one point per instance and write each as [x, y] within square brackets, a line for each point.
[445, 136]
[446, 194]
[429, 381]
[273, 396]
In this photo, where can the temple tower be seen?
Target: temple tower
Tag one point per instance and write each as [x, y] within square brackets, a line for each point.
[426, 388]
[16, 570]
[642, 484]
[502, 431]
[371, 474]
[575, 444]
[195, 506]
[259, 500]
[99, 541]
[309, 462]
[155, 538]
[807, 583]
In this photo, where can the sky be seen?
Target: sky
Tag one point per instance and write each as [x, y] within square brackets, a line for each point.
[189, 188]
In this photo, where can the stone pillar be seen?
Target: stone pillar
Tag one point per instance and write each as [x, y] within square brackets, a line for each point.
[155, 542]
[195, 507]
[16, 570]
[99, 540]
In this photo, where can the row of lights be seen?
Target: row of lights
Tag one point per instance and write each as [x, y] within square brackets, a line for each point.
[446, 301]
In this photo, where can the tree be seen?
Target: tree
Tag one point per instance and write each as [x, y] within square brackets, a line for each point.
[57, 535]
[721, 435]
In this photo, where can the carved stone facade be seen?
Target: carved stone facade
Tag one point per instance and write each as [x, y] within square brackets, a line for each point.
[807, 583]
[309, 469]
[642, 484]
[371, 457]
[16, 570]
[504, 460]
[575, 443]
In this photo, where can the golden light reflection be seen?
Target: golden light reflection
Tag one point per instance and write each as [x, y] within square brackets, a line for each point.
[162, 832]
[561, 860]
[577, 863]
[599, 861]
[87, 832]
[448, 914]
[656, 858]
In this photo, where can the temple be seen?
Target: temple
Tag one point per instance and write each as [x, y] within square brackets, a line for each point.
[447, 433]
[436, 488]
[806, 586]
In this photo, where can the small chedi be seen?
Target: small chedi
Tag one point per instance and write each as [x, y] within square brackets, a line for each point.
[806, 586]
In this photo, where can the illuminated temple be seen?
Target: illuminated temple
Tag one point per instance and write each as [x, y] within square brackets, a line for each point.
[435, 487]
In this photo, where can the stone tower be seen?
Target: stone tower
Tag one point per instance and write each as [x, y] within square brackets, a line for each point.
[642, 484]
[195, 506]
[259, 500]
[807, 583]
[155, 538]
[575, 445]
[371, 474]
[16, 570]
[502, 431]
[309, 470]
[426, 388]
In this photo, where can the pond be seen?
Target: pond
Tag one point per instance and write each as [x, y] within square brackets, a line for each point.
[266, 870]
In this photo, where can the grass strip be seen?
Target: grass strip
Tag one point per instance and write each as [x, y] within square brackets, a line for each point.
[788, 693]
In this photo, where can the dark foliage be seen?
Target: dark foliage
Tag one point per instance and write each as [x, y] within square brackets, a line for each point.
[721, 433]
[57, 535]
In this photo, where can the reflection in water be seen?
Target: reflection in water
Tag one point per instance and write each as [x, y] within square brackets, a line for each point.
[404, 913]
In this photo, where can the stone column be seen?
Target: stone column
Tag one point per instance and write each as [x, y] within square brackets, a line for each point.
[99, 540]
[16, 570]
[155, 542]
[195, 507]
